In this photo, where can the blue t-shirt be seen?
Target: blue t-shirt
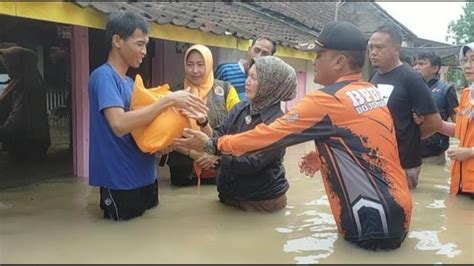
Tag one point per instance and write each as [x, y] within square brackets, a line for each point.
[115, 163]
[233, 73]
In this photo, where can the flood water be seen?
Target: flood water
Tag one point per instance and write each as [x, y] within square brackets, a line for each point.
[59, 221]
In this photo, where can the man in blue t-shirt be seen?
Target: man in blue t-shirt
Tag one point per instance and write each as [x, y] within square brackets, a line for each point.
[126, 176]
[236, 73]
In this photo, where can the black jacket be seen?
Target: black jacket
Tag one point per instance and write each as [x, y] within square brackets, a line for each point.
[254, 177]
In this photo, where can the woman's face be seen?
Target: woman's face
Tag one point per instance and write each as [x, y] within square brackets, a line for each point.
[195, 68]
[251, 83]
[468, 65]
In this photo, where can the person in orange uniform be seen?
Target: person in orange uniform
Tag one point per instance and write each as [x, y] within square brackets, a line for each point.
[355, 137]
[462, 157]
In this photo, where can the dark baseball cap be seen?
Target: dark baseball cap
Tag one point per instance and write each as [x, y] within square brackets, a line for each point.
[338, 35]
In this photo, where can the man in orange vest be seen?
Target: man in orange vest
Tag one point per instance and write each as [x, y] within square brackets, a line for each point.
[354, 133]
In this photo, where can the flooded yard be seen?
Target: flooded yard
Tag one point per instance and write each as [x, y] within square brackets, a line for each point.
[59, 221]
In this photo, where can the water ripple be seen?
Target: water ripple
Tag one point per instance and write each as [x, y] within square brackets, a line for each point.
[437, 204]
[320, 234]
[428, 240]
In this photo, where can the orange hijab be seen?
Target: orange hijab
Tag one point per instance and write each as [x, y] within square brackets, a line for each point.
[201, 90]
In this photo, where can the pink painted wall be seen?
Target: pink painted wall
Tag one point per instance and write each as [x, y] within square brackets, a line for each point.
[300, 90]
[80, 103]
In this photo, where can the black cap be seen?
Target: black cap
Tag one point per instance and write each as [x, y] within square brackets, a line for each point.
[338, 35]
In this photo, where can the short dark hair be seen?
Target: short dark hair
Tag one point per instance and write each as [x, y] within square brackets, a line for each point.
[124, 25]
[394, 32]
[356, 59]
[274, 48]
[434, 59]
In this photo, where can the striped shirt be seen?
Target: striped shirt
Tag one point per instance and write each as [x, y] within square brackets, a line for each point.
[233, 73]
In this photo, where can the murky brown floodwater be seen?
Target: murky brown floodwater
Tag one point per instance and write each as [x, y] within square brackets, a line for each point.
[58, 221]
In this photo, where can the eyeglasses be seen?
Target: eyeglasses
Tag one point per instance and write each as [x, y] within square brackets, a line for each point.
[466, 61]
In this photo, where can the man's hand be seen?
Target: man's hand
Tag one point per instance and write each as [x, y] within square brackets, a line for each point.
[192, 139]
[183, 99]
[460, 153]
[310, 164]
[419, 119]
[207, 161]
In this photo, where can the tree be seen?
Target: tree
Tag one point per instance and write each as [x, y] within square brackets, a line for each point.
[456, 76]
[462, 30]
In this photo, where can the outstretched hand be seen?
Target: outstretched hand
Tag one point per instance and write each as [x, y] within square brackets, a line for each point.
[310, 164]
[207, 161]
[192, 139]
[183, 99]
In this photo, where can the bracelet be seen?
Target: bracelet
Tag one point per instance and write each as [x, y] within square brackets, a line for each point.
[203, 124]
[472, 150]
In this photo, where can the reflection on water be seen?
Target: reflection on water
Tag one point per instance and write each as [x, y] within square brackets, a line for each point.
[59, 221]
[428, 240]
[437, 204]
[315, 246]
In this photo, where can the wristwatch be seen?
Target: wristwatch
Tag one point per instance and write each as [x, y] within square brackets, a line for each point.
[210, 147]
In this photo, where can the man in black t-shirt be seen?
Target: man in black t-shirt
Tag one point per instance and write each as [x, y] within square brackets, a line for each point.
[444, 96]
[407, 92]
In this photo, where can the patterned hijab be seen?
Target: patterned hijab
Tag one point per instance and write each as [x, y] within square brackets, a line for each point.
[202, 90]
[276, 82]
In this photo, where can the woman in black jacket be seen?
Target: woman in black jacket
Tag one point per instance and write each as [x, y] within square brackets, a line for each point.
[256, 182]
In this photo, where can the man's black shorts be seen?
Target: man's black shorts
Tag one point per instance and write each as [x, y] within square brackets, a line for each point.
[127, 204]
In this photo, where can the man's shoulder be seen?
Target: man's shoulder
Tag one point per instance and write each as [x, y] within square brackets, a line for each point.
[101, 72]
[336, 87]
[228, 65]
[410, 71]
[444, 84]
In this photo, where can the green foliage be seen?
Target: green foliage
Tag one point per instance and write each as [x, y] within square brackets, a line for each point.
[462, 30]
[456, 76]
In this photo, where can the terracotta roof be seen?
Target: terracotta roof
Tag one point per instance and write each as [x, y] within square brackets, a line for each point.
[229, 18]
[311, 15]
[288, 23]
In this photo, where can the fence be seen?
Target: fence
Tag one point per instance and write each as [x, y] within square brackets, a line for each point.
[56, 107]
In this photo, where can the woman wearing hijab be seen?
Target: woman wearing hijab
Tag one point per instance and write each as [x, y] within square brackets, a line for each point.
[257, 182]
[24, 129]
[462, 157]
[220, 98]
